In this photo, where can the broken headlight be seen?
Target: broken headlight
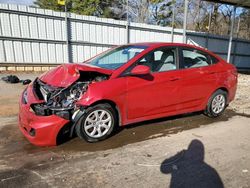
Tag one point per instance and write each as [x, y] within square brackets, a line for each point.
[66, 97]
[59, 99]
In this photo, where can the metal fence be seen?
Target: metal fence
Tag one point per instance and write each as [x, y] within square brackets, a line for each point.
[32, 35]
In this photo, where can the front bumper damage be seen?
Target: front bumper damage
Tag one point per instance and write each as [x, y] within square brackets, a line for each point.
[39, 130]
[46, 109]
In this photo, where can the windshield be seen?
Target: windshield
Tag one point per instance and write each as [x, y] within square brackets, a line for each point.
[117, 57]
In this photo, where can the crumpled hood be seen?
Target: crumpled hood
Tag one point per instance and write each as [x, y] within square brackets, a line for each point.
[64, 75]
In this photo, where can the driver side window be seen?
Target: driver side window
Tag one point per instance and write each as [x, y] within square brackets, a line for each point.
[194, 58]
[160, 60]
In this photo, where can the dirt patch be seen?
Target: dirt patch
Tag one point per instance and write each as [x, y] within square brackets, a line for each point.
[241, 103]
[21, 177]
[77, 163]
[10, 93]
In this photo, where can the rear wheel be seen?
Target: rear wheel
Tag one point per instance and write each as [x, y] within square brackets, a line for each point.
[97, 123]
[216, 104]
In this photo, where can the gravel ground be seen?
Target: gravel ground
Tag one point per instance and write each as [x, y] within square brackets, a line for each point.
[184, 151]
[241, 103]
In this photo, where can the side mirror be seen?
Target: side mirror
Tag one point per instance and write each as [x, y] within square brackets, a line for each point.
[140, 70]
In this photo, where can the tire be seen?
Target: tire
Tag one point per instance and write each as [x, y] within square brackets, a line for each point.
[97, 124]
[217, 103]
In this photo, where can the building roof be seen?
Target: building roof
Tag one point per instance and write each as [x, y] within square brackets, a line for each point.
[241, 3]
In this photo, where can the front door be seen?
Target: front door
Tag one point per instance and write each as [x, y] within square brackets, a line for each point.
[158, 92]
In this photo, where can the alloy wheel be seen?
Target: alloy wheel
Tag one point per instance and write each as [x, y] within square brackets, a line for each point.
[218, 103]
[97, 123]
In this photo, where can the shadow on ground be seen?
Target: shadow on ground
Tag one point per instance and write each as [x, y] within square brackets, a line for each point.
[188, 168]
[246, 72]
[148, 130]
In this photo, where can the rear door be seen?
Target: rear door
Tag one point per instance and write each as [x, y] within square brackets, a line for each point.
[199, 77]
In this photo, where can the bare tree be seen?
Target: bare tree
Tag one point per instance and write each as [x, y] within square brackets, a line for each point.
[244, 29]
[227, 13]
[158, 12]
[139, 10]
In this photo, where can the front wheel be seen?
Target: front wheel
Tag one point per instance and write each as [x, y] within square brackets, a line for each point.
[216, 104]
[97, 123]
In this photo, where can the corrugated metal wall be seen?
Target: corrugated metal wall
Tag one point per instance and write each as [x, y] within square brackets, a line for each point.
[31, 35]
[240, 55]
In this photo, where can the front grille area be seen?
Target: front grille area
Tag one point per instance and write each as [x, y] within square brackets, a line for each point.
[43, 91]
[41, 109]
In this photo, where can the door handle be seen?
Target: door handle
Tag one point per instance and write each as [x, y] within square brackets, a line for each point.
[174, 79]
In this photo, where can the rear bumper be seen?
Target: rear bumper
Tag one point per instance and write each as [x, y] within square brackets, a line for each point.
[233, 88]
[39, 130]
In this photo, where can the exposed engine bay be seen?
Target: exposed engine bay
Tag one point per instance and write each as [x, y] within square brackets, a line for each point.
[61, 101]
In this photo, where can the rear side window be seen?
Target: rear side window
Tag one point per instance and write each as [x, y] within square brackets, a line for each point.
[194, 58]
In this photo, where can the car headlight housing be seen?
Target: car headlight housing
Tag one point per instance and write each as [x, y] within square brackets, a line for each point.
[67, 97]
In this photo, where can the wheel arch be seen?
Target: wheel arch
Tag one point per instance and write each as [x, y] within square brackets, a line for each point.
[223, 89]
[102, 101]
[208, 111]
[206, 101]
[63, 134]
[111, 103]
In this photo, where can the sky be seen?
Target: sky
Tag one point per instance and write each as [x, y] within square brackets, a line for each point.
[22, 2]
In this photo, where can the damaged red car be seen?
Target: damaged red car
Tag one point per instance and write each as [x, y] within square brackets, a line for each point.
[127, 84]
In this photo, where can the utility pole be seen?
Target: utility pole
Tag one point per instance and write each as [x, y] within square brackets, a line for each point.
[209, 24]
[173, 21]
[210, 18]
[64, 3]
[67, 33]
[127, 24]
[236, 40]
[231, 36]
[185, 22]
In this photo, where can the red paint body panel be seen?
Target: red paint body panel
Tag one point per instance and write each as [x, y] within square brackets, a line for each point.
[136, 98]
[159, 93]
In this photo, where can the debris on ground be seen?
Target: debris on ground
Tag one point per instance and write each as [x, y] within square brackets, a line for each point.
[26, 82]
[13, 79]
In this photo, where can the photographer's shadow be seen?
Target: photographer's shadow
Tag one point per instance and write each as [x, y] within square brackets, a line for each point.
[188, 169]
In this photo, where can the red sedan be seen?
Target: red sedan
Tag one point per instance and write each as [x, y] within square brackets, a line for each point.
[127, 84]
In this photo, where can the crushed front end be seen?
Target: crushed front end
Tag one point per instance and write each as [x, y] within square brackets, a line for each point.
[46, 109]
[56, 100]
[38, 129]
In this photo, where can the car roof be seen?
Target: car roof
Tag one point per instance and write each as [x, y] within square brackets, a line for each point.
[156, 44]
[162, 44]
